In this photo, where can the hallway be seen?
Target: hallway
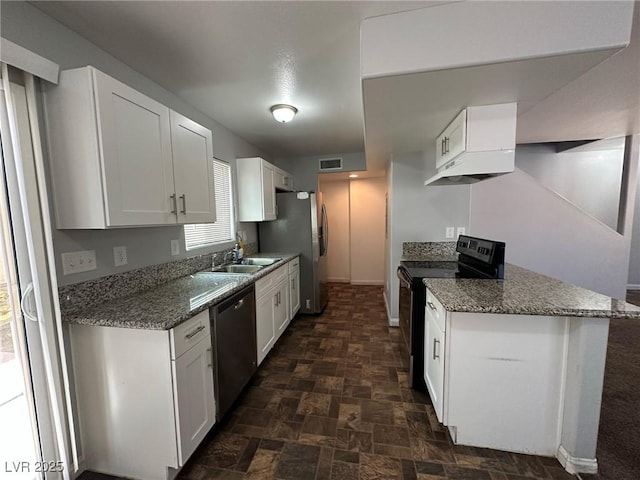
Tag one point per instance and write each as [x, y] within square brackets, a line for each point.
[331, 402]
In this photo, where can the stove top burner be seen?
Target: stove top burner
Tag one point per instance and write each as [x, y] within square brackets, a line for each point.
[478, 258]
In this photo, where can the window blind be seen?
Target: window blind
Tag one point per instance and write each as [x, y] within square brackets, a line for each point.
[205, 234]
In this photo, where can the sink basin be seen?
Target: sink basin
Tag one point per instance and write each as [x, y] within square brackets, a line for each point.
[238, 268]
[261, 261]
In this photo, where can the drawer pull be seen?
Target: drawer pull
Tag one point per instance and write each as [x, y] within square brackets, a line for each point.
[194, 333]
[436, 343]
[210, 352]
[431, 306]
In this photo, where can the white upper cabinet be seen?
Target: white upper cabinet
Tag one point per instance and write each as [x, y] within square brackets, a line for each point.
[120, 159]
[257, 183]
[192, 147]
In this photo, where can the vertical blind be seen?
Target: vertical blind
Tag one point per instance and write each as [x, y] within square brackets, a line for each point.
[205, 234]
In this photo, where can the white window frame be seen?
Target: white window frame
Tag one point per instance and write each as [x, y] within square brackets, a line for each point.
[223, 205]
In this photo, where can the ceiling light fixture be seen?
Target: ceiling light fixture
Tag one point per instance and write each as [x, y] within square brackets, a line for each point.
[353, 175]
[283, 113]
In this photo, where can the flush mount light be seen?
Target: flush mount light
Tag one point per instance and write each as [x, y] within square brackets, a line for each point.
[283, 113]
[353, 175]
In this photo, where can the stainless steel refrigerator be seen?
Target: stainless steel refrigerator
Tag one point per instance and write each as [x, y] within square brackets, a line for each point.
[301, 227]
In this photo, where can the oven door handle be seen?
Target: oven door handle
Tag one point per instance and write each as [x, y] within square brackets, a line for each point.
[404, 277]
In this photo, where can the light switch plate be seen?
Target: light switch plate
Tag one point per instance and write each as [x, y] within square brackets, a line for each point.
[120, 256]
[76, 262]
[175, 247]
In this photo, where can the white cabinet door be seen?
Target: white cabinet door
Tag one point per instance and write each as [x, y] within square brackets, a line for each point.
[194, 398]
[434, 362]
[192, 147]
[294, 292]
[268, 192]
[281, 307]
[265, 333]
[135, 140]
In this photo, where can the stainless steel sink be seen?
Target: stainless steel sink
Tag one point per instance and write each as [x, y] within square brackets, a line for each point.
[264, 261]
[238, 268]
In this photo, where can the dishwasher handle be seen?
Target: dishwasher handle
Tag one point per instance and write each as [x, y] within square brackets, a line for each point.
[238, 305]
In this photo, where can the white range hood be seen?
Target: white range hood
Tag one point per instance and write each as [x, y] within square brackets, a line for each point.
[474, 167]
[478, 144]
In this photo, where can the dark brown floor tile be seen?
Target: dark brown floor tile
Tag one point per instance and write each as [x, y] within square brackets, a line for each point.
[301, 384]
[461, 473]
[255, 417]
[298, 462]
[498, 476]
[331, 385]
[430, 451]
[359, 442]
[287, 408]
[268, 444]
[408, 470]
[374, 411]
[392, 451]
[418, 424]
[344, 456]
[225, 451]
[530, 466]
[391, 435]
[357, 391]
[198, 472]
[324, 426]
[559, 473]
[263, 465]
[378, 467]
[314, 404]
[283, 430]
[325, 464]
[345, 471]
[427, 468]
[247, 456]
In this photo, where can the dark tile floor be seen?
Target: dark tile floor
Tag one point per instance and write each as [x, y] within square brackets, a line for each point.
[332, 402]
[633, 296]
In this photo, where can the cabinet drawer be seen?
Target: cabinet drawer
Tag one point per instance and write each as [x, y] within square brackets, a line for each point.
[435, 310]
[265, 284]
[294, 265]
[189, 333]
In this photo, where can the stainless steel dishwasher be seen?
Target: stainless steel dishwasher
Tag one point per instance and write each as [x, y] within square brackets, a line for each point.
[234, 342]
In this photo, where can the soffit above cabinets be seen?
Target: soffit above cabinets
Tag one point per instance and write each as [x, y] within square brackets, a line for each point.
[420, 69]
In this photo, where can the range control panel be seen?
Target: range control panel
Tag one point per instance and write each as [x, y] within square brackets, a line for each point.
[486, 251]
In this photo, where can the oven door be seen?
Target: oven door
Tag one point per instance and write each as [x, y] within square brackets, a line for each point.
[405, 307]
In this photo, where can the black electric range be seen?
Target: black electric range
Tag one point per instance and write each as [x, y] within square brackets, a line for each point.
[477, 258]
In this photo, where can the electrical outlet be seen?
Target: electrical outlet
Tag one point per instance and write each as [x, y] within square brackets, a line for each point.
[460, 231]
[76, 262]
[308, 303]
[175, 247]
[449, 232]
[120, 256]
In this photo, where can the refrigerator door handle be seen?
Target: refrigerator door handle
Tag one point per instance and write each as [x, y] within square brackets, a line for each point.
[325, 230]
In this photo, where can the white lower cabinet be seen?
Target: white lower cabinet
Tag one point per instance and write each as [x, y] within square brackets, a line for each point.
[145, 397]
[496, 380]
[273, 307]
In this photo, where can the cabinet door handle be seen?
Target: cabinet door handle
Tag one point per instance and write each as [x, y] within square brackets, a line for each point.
[442, 147]
[436, 343]
[446, 144]
[431, 306]
[184, 204]
[293, 284]
[210, 352]
[175, 204]
[194, 332]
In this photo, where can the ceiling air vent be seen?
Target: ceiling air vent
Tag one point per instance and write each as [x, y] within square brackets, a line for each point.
[331, 164]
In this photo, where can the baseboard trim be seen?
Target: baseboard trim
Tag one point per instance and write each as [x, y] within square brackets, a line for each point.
[338, 280]
[367, 282]
[575, 465]
[393, 322]
[633, 286]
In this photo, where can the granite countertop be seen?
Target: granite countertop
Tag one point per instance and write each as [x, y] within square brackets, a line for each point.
[526, 293]
[429, 258]
[172, 303]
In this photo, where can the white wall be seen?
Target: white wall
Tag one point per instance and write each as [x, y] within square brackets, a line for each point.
[335, 195]
[549, 235]
[589, 179]
[634, 259]
[305, 169]
[27, 26]
[419, 213]
[367, 201]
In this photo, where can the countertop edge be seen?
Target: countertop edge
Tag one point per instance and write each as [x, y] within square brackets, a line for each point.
[86, 318]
